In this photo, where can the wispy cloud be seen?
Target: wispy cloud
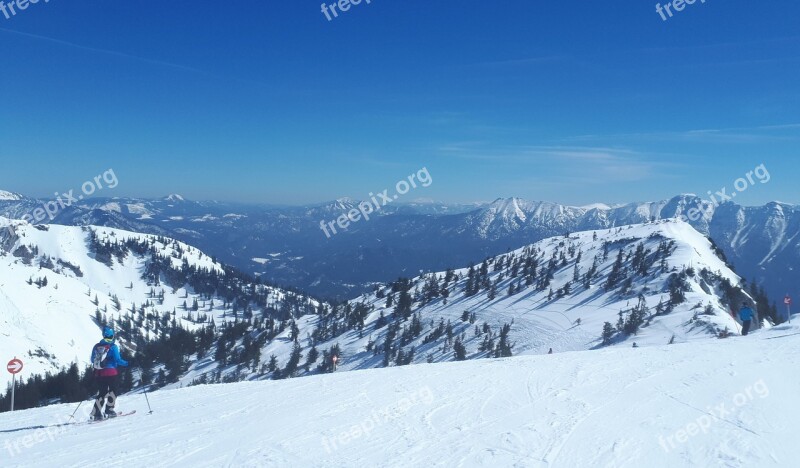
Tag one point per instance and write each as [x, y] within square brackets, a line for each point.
[581, 164]
[762, 133]
[444, 118]
[523, 61]
[128, 56]
[585, 57]
[720, 45]
[781, 127]
[101, 51]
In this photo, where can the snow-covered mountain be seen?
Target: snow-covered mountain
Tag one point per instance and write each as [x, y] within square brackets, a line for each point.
[58, 283]
[706, 403]
[653, 284]
[762, 242]
[664, 281]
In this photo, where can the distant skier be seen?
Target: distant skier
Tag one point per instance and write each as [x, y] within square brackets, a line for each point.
[746, 316]
[551, 351]
[105, 360]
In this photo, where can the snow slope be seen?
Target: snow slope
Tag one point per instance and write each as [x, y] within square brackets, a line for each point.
[50, 327]
[725, 403]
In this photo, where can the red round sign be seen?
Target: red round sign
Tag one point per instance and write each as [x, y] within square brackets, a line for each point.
[787, 300]
[14, 366]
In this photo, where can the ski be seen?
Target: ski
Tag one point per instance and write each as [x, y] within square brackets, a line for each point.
[120, 415]
[782, 336]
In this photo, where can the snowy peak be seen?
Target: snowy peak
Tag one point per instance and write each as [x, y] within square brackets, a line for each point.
[667, 267]
[682, 206]
[344, 203]
[333, 208]
[10, 196]
[174, 197]
[508, 210]
[513, 216]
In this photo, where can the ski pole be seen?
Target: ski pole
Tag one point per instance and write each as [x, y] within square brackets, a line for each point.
[148, 402]
[76, 410]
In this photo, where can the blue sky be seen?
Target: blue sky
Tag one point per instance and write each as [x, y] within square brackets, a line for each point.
[569, 101]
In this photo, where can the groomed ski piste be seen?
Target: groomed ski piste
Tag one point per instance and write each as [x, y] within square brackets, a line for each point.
[712, 403]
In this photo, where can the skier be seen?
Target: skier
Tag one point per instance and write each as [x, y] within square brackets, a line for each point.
[551, 351]
[746, 316]
[105, 360]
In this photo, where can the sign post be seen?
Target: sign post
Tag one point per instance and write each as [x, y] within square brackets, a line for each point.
[14, 367]
[788, 301]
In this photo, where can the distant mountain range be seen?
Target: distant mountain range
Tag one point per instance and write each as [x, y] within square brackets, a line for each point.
[285, 245]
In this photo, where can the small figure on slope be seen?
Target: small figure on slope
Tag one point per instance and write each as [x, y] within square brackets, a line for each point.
[105, 360]
[746, 316]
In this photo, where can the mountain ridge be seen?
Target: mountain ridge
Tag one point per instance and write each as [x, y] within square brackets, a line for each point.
[403, 239]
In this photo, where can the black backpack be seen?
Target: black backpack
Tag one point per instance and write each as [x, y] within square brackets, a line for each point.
[101, 356]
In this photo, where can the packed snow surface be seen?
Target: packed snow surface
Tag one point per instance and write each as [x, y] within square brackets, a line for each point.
[708, 403]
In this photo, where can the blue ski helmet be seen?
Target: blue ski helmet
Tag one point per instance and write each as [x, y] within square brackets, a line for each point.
[108, 332]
